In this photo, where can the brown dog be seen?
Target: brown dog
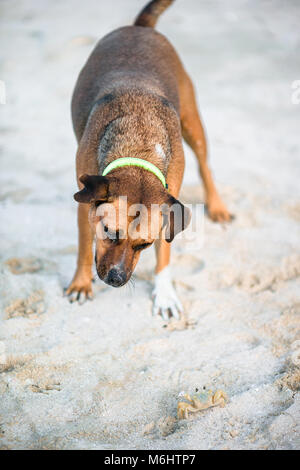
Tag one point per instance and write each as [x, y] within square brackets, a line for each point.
[133, 98]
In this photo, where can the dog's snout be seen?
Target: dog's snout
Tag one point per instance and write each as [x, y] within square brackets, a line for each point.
[116, 278]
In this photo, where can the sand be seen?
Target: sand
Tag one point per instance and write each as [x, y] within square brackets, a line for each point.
[106, 375]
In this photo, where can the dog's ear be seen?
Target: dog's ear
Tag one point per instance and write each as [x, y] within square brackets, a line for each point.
[96, 188]
[176, 218]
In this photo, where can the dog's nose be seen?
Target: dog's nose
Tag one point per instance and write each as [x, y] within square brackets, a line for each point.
[116, 278]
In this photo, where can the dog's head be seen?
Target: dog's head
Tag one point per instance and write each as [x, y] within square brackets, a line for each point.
[127, 214]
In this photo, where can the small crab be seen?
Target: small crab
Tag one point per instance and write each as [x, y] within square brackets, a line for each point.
[199, 401]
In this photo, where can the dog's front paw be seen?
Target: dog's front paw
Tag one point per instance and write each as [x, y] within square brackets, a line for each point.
[165, 300]
[80, 289]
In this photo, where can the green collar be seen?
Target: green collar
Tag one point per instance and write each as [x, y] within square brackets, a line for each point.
[131, 161]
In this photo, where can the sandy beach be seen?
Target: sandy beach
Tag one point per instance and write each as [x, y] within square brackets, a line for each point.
[106, 374]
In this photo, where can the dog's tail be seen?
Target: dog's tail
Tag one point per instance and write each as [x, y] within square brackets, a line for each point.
[149, 15]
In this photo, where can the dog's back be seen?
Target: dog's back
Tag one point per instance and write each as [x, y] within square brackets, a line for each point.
[130, 58]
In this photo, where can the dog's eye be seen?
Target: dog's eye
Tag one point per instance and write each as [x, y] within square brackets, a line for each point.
[142, 247]
[113, 237]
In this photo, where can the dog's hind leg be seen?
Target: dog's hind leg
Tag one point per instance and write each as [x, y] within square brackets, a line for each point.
[193, 133]
[81, 285]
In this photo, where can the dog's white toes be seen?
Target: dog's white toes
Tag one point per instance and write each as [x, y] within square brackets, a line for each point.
[155, 310]
[165, 300]
[165, 314]
[176, 312]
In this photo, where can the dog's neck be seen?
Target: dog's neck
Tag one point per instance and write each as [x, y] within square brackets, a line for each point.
[135, 136]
